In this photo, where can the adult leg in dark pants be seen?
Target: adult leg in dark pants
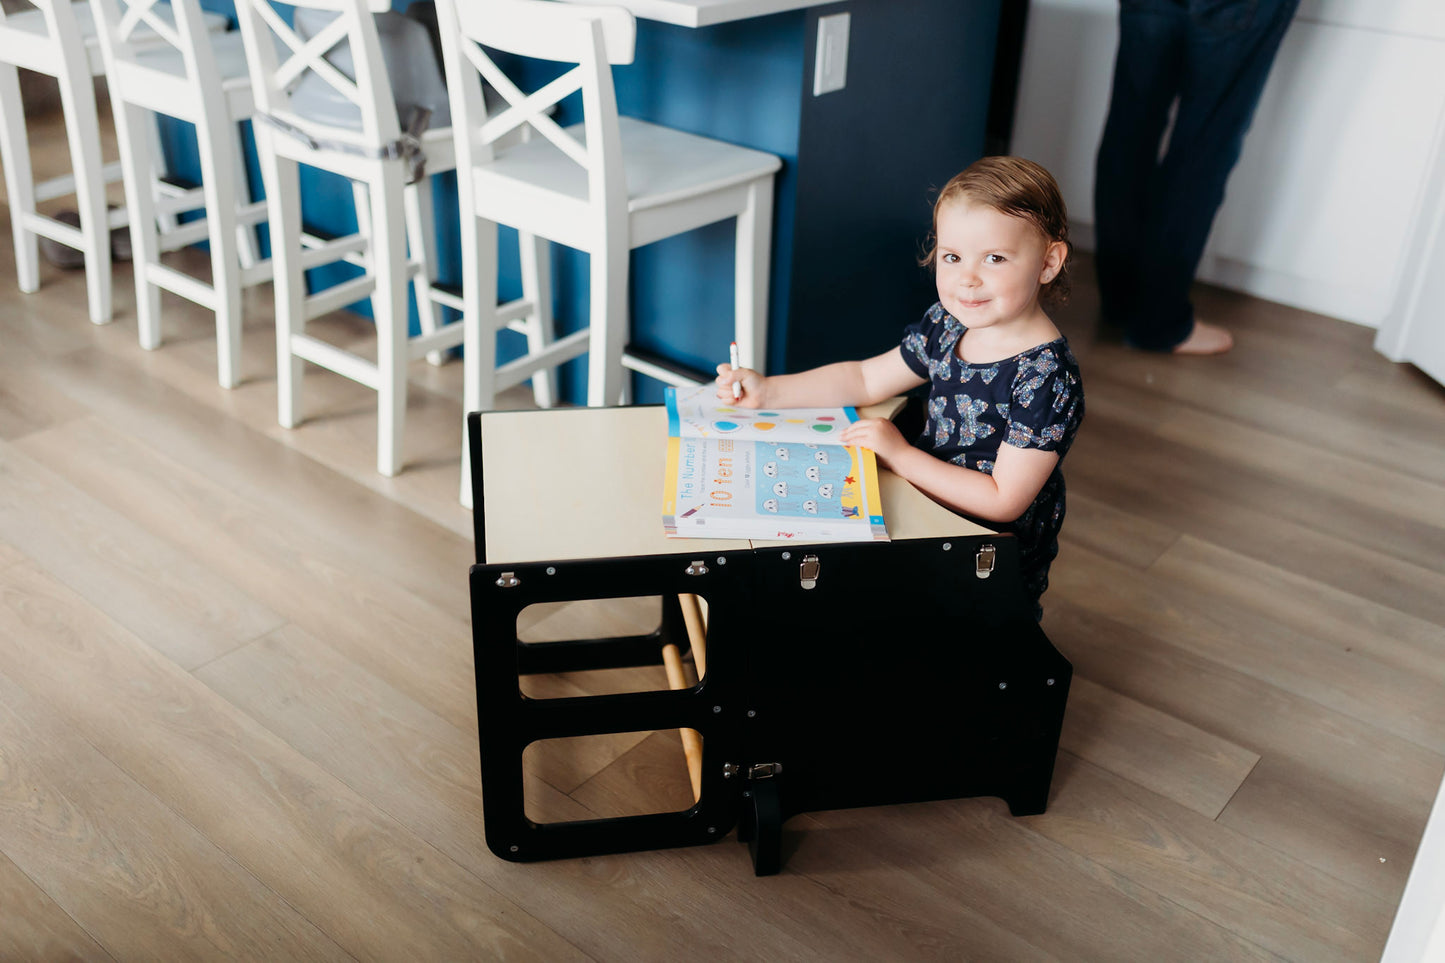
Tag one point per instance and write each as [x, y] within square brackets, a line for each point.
[1154, 206]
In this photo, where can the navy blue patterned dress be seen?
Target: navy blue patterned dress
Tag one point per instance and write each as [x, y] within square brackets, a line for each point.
[1032, 400]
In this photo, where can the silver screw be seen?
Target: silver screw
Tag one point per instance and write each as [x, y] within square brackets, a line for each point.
[1003, 685]
[948, 546]
[551, 570]
[721, 560]
[787, 555]
[514, 849]
[752, 713]
[1051, 682]
[717, 708]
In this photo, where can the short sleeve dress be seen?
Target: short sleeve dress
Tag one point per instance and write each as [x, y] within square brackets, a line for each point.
[1032, 400]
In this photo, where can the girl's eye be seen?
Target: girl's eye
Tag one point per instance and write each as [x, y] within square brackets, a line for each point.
[995, 259]
[950, 259]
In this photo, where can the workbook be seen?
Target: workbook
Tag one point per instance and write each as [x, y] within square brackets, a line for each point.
[766, 475]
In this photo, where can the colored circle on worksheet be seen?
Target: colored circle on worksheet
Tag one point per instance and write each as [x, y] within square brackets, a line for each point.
[725, 426]
[826, 418]
[764, 425]
[823, 428]
[796, 421]
[768, 414]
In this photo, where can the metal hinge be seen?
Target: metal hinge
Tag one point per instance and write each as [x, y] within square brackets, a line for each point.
[758, 770]
[508, 580]
[983, 561]
[808, 571]
[697, 567]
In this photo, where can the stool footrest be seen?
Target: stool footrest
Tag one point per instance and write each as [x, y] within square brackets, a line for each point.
[663, 369]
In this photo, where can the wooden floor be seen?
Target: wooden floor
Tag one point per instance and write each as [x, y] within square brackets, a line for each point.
[237, 713]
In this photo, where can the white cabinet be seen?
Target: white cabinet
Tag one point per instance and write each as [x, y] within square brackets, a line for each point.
[1319, 212]
[1414, 329]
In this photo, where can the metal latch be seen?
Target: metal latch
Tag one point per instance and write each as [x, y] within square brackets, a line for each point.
[983, 561]
[508, 580]
[698, 567]
[758, 770]
[808, 571]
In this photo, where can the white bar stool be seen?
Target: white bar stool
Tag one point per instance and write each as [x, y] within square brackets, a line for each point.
[59, 39]
[326, 100]
[604, 186]
[182, 71]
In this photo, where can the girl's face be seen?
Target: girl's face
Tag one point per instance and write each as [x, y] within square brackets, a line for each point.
[990, 265]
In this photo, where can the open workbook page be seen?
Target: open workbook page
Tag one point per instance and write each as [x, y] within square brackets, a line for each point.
[776, 475]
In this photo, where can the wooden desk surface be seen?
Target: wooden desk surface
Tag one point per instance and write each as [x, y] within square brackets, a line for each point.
[705, 13]
[573, 483]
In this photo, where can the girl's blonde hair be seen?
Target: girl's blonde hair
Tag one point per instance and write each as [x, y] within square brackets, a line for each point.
[1019, 188]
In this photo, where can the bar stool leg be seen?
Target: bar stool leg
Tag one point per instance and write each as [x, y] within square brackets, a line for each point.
[361, 201]
[19, 179]
[421, 230]
[166, 221]
[389, 303]
[479, 348]
[217, 156]
[139, 161]
[246, 246]
[609, 319]
[283, 209]
[537, 290]
[81, 117]
[754, 255]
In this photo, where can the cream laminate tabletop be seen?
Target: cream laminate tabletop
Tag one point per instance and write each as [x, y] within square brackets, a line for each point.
[577, 483]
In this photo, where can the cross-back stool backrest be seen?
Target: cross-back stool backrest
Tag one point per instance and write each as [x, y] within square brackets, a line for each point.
[137, 30]
[591, 37]
[292, 62]
[62, 50]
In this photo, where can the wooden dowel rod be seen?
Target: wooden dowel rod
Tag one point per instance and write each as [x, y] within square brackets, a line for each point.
[672, 663]
[691, 741]
[696, 630]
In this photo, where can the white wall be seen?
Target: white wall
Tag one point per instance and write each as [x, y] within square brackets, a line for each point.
[1418, 934]
[1319, 210]
[1414, 330]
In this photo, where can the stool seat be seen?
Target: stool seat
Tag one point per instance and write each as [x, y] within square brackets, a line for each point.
[661, 166]
[228, 48]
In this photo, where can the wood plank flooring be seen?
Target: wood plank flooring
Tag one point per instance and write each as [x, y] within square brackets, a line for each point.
[238, 719]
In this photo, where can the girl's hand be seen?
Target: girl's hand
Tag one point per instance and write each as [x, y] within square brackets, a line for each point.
[878, 434]
[750, 380]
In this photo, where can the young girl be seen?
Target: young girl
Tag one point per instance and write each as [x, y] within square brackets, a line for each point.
[1006, 397]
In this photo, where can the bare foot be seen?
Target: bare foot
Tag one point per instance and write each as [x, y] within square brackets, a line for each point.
[1206, 338]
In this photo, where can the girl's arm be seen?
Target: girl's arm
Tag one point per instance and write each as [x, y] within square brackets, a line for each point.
[1018, 475]
[845, 383]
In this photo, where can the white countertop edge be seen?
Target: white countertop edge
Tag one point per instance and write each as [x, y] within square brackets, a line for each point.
[706, 13]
